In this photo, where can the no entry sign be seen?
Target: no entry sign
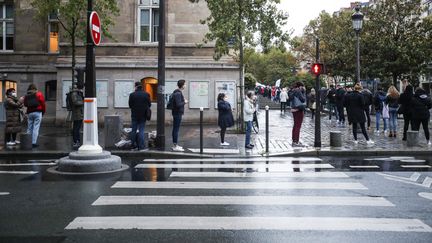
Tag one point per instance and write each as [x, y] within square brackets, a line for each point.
[95, 28]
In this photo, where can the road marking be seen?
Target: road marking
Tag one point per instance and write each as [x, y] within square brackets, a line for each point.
[415, 176]
[252, 159]
[243, 200]
[413, 161]
[416, 166]
[404, 181]
[240, 185]
[28, 164]
[4, 193]
[364, 166]
[251, 223]
[236, 166]
[19, 172]
[215, 151]
[426, 195]
[427, 182]
[263, 175]
[378, 159]
[401, 158]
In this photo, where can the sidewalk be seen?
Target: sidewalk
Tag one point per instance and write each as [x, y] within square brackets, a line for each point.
[57, 141]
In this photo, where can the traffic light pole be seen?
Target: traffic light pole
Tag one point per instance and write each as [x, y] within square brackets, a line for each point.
[160, 137]
[317, 142]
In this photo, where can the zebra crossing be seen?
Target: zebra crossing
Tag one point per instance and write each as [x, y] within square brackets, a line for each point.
[320, 193]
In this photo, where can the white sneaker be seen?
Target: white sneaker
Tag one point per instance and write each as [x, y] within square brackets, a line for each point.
[10, 143]
[376, 131]
[225, 144]
[370, 142]
[355, 142]
[177, 148]
[17, 142]
[429, 143]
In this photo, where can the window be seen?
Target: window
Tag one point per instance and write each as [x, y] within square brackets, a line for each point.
[148, 19]
[6, 27]
[51, 90]
[53, 32]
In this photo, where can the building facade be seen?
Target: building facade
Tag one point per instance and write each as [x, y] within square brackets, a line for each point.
[34, 52]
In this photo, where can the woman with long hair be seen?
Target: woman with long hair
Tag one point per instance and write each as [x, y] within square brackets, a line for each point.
[405, 109]
[225, 118]
[392, 100]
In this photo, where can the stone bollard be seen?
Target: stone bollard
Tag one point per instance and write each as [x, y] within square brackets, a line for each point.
[335, 139]
[26, 141]
[412, 138]
[112, 130]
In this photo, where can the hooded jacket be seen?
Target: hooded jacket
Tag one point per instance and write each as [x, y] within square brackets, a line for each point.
[420, 105]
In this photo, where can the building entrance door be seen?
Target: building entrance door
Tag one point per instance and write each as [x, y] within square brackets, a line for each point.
[5, 85]
[150, 85]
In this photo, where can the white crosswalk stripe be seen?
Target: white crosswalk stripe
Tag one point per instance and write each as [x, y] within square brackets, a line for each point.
[223, 190]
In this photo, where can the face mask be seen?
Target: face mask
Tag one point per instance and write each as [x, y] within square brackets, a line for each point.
[226, 98]
[14, 94]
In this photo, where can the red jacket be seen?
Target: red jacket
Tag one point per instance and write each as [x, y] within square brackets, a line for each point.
[41, 107]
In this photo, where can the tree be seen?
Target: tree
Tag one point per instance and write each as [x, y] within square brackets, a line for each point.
[397, 39]
[233, 24]
[72, 17]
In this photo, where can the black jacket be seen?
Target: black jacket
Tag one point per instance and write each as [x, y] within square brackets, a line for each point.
[355, 105]
[421, 104]
[368, 98]
[332, 96]
[139, 102]
[379, 98]
[392, 102]
[340, 96]
[178, 102]
[225, 118]
[405, 101]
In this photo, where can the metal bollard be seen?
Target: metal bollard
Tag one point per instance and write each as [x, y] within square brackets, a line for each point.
[335, 139]
[412, 138]
[26, 141]
[267, 128]
[201, 130]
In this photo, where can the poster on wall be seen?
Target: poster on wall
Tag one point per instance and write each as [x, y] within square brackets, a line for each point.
[198, 94]
[122, 90]
[228, 88]
[101, 92]
[170, 86]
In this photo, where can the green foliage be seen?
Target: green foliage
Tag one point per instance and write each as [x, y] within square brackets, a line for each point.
[235, 23]
[250, 81]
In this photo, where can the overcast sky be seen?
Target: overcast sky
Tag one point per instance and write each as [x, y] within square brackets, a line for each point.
[302, 11]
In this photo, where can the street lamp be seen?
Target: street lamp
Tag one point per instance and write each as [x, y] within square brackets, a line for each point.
[357, 20]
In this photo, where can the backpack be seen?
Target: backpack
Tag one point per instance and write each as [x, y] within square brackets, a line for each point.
[31, 101]
[69, 101]
[170, 104]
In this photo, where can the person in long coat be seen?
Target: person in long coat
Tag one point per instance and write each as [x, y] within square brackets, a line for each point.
[225, 118]
[421, 104]
[405, 108]
[355, 104]
[13, 123]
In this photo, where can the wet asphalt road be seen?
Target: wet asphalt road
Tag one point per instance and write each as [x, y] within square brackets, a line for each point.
[38, 207]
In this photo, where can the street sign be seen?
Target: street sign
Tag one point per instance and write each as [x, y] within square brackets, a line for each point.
[95, 28]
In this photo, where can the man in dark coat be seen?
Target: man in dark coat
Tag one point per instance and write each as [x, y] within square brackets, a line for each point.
[421, 104]
[77, 103]
[177, 112]
[355, 103]
[340, 95]
[225, 118]
[331, 97]
[139, 103]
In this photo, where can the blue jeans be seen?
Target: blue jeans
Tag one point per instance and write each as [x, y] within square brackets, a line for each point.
[138, 140]
[393, 119]
[248, 132]
[176, 128]
[378, 116]
[34, 121]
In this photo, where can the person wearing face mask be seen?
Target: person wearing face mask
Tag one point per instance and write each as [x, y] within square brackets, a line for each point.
[297, 99]
[13, 124]
[225, 118]
[177, 112]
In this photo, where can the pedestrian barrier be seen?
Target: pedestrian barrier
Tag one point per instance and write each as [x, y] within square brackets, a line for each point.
[335, 139]
[112, 130]
[26, 141]
[412, 138]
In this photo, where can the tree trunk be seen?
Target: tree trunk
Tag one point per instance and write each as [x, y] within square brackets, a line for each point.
[241, 67]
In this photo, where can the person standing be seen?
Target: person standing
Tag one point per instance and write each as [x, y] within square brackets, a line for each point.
[225, 118]
[340, 95]
[312, 102]
[368, 102]
[355, 103]
[77, 108]
[13, 125]
[35, 103]
[177, 112]
[139, 103]
[405, 108]
[421, 104]
[379, 108]
[283, 99]
[392, 102]
[331, 96]
[297, 100]
[248, 112]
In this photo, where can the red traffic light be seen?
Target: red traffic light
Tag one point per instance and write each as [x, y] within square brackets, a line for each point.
[317, 68]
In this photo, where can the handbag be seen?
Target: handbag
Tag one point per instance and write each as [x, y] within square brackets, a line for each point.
[313, 105]
[148, 114]
[385, 112]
